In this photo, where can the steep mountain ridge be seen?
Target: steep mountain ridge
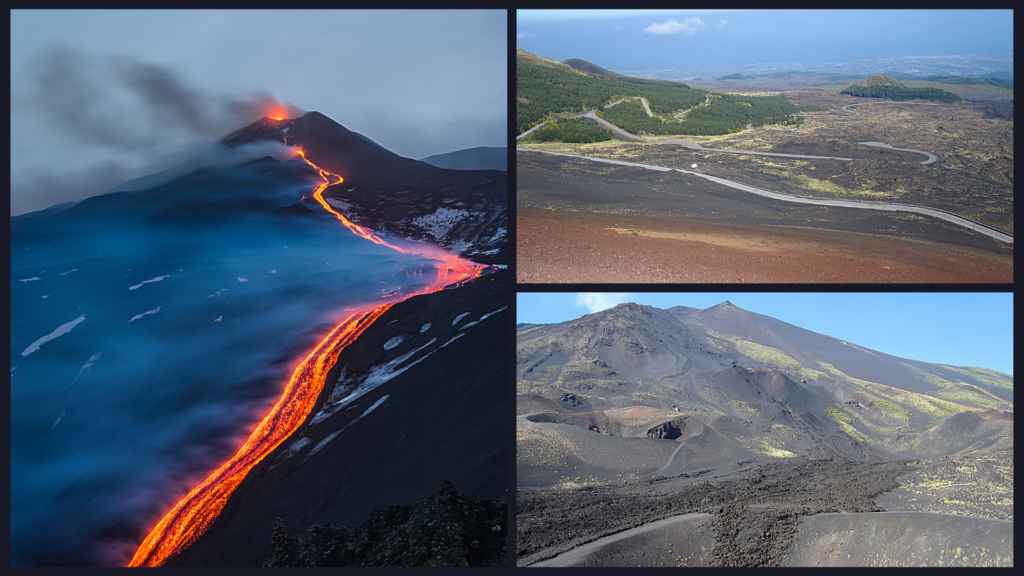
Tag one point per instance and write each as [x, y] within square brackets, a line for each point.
[774, 389]
[720, 437]
[464, 211]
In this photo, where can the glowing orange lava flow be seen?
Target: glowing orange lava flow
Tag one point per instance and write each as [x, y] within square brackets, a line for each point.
[318, 193]
[194, 513]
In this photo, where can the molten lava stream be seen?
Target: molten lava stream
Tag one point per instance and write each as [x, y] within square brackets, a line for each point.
[194, 513]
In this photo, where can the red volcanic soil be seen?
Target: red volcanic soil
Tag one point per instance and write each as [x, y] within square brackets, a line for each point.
[581, 247]
[997, 415]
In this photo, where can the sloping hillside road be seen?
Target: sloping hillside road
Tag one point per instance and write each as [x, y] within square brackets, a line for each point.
[931, 157]
[947, 216]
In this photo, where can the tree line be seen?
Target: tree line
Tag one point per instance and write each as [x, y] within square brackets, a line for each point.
[726, 113]
[900, 94]
[576, 130]
[541, 90]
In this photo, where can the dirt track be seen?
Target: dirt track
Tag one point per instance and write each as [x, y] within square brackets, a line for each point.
[566, 246]
[757, 510]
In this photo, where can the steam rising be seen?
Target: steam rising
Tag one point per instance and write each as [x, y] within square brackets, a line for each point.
[134, 117]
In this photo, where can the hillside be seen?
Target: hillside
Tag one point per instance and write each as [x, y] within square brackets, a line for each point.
[546, 89]
[882, 86]
[479, 158]
[880, 80]
[635, 421]
[585, 66]
[778, 390]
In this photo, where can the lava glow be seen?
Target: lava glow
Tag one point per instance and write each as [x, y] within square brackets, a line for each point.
[277, 113]
[194, 513]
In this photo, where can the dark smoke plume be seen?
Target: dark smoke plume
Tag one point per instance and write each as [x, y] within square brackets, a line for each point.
[144, 114]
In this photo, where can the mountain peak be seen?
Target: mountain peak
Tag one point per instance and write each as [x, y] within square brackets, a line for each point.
[330, 145]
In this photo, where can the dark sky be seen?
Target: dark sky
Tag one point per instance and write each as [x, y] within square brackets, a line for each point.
[622, 40]
[101, 97]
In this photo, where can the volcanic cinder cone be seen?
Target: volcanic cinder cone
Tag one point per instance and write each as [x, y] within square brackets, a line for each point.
[334, 147]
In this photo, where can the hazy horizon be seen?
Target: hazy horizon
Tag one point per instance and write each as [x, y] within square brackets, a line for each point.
[627, 40]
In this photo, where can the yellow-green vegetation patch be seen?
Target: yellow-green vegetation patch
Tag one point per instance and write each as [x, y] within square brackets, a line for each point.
[810, 374]
[978, 485]
[540, 445]
[743, 408]
[845, 418]
[765, 445]
[934, 407]
[839, 373]
[892, 409]
[990, 377]
[937, 380]
[767, 355]
[823, 187]
[963, 392]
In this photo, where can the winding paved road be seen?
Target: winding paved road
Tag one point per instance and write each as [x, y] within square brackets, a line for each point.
[931, 157]
[883, 206]
[646, 107]
[707, 98]
[590, 114]
[530, 130]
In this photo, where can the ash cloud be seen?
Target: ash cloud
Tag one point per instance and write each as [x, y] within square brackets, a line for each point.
[113, 118]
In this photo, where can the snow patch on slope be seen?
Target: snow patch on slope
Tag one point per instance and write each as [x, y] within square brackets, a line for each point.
[147, 313]
[348, 390]
[88, 364]
[339, 203]
[157, 279]
[60, 331]
[443, 220]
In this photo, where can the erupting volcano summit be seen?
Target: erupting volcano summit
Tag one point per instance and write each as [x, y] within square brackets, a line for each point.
[464, 211]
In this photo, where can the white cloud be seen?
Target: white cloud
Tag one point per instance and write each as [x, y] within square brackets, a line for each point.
[597, 301]
[690, 27]
[721, 23]
[525, 34]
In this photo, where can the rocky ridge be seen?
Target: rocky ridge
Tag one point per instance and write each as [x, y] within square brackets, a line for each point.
[445, 530]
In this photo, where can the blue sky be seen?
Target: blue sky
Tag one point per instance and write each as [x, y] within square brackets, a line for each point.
[640, 39]
[82, 121]
[962, 329]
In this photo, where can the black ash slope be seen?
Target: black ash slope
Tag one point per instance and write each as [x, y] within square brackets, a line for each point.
[443, 419]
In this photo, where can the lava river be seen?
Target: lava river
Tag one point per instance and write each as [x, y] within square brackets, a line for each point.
[194, 513]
